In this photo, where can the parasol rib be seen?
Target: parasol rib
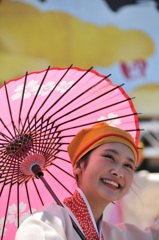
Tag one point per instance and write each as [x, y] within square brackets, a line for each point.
[59, 182]
[18, 214]
[50, 140]
[2, 188]
[21, 104]
[35, 97]
[10, 111]
[6, 129]
[37, 191]
[63, 159]
[28, 198]
[62, 170]
[5, 217]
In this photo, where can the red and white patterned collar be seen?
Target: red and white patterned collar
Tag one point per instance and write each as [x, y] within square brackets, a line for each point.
[80, 208]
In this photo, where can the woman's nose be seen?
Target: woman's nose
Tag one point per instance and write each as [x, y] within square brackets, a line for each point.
[117, 171]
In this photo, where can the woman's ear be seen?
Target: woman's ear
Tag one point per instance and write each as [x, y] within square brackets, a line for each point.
[77, 169]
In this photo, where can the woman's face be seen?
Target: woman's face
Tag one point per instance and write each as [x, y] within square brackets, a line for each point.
[109, 173]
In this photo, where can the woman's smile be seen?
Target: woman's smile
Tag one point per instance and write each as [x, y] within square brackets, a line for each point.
[110, 183]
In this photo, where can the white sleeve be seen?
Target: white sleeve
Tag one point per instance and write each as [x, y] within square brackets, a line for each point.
[33, 228]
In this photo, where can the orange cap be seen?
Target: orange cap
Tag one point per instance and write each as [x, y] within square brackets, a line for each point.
[90, 138]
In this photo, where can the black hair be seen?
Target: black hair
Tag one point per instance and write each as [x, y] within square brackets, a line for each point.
[84, 159]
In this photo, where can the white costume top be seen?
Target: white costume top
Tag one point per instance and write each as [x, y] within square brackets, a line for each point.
[53, 222]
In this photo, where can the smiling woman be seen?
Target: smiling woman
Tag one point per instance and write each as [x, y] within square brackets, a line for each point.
[107, 177]
[103, 159]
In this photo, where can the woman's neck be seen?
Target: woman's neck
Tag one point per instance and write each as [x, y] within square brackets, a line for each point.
[97, 210]
[95, 207]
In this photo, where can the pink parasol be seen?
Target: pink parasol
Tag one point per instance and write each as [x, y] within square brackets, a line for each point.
[40, 114]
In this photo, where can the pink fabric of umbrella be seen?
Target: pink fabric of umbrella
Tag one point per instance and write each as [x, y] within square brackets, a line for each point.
[40, 114]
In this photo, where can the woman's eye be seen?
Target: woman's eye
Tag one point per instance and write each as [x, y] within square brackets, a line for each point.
[129, 166]
[108, 156]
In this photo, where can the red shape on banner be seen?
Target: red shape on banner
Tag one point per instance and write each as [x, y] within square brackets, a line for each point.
[133, 70]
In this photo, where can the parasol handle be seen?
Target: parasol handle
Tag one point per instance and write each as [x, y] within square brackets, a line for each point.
[39, 174]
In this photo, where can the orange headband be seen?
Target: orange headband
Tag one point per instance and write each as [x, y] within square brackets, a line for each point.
[90, 138]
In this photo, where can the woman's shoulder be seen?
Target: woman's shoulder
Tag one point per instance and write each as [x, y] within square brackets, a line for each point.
[50, 212]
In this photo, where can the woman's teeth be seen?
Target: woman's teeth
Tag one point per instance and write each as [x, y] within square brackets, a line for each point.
[111, 183]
